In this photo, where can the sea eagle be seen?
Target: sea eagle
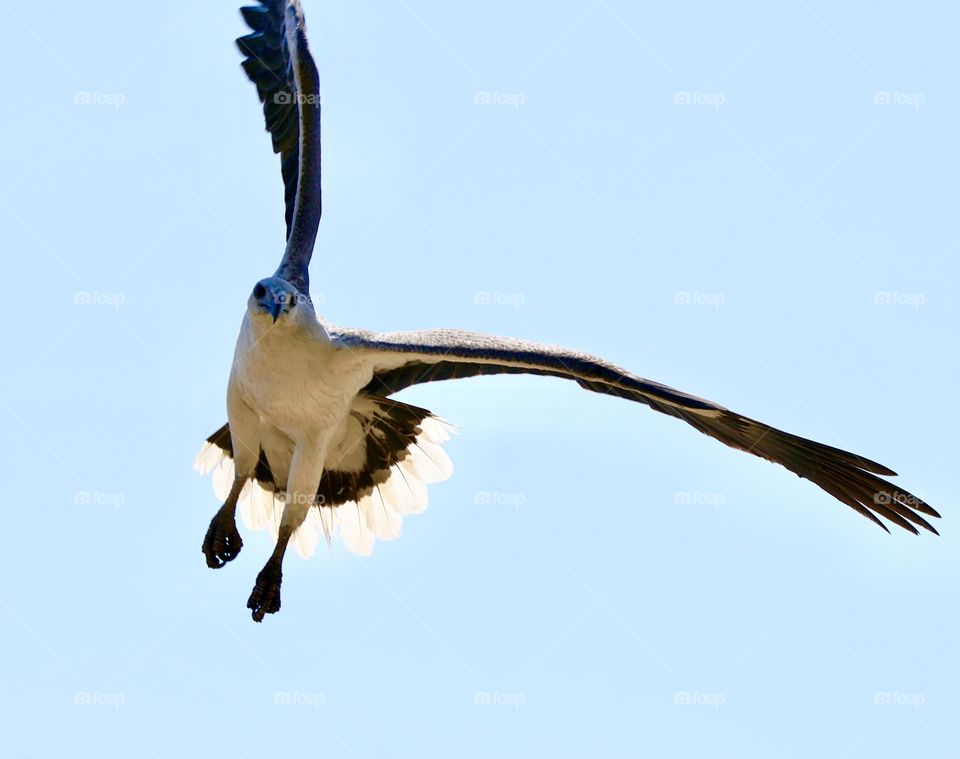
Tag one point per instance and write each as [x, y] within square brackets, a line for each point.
[314, 441]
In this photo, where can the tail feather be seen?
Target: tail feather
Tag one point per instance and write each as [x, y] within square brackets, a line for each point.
[362, 497]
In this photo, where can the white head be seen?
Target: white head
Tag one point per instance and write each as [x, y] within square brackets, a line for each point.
[275, 302]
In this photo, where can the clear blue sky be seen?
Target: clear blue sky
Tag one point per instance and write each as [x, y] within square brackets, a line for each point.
[756, 203]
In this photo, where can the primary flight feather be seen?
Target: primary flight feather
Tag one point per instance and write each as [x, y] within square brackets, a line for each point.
[315, 444]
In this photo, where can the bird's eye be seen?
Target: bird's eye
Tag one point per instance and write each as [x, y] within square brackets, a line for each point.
[259, 291]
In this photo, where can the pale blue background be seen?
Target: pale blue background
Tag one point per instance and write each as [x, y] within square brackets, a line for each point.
[589, 602]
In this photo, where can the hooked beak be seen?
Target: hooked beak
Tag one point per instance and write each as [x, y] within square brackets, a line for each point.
[276, 308]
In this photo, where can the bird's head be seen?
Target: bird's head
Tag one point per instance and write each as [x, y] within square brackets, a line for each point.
[274, 301]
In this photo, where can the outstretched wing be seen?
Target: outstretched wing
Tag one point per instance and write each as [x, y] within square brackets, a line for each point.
[278, 61]
[402, 359]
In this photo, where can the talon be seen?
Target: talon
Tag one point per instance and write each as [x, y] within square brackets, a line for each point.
[222, 542]
[265, 598]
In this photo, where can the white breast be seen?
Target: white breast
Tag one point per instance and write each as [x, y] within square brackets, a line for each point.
[296, 380]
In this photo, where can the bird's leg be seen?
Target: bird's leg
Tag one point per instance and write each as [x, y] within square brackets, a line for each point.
[222, 542]
[305, 469]
[265, 598]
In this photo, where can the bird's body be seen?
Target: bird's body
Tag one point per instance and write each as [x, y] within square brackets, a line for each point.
[314, 444]
[295, 378]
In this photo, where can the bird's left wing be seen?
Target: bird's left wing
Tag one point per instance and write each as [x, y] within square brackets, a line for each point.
[278, 61]
[402, 359]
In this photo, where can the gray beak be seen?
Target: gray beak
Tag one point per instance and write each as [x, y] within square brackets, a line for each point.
[276, 308]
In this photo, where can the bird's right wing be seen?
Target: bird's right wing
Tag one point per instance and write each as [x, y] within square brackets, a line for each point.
[278, 61]
[402, 359]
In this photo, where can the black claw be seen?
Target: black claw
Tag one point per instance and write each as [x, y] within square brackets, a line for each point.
[222, 542]
[265, 598]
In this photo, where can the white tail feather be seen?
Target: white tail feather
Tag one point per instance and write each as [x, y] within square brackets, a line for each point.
[223, 478]
[417, 501]
[260, 509]
[354, 533]
[430, 461]
[378, 515]
[385, 520]
[209, 457]
[307, 536]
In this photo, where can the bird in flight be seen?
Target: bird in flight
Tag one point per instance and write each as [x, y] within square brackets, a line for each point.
[315, 443]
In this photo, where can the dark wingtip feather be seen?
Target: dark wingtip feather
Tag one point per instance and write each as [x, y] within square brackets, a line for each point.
[849, 478]
[894, 517]
[257, 17]
[268, 64]
[875, 468]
